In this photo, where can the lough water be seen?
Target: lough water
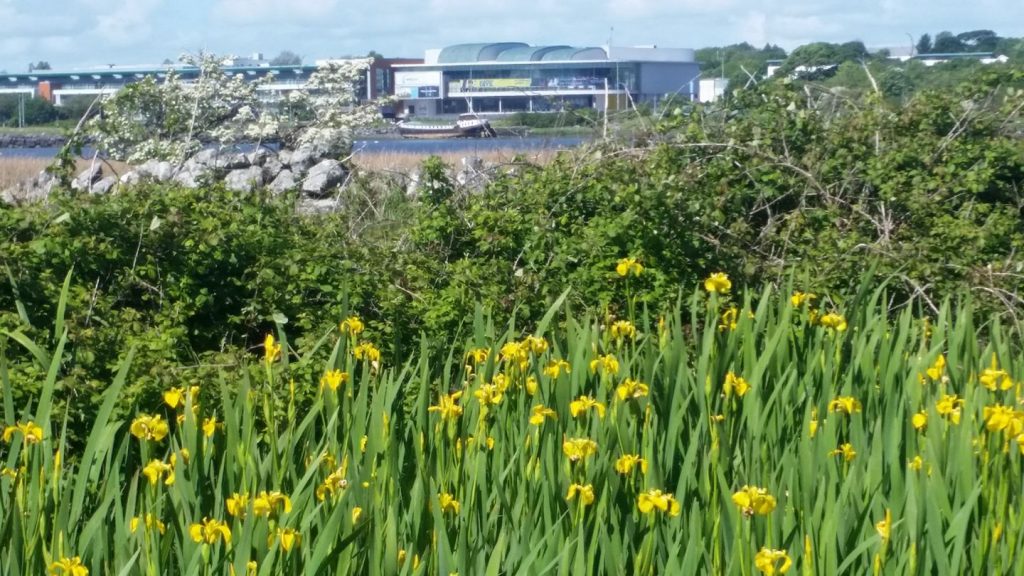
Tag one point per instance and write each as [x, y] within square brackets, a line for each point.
[425, 147]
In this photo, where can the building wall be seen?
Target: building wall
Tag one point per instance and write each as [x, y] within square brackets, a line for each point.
[658, 79]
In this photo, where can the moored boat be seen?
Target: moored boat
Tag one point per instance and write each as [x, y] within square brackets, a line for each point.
[467, 126]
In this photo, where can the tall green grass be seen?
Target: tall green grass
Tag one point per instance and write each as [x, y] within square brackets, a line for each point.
[960, 513]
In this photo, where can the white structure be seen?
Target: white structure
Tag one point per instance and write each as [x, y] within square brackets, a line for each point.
[712, 89]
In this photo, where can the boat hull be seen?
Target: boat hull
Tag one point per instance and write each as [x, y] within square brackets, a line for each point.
[460, 130]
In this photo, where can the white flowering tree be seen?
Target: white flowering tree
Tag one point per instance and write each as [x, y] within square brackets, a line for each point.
[171, 119]
[331, 104]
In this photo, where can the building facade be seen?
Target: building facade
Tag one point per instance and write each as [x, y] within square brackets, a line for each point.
[508, 77]
[57, 86]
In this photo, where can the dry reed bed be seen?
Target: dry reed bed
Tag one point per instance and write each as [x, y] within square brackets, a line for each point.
[18, 169]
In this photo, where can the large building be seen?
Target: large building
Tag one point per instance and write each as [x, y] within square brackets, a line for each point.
[512, 77]
[58, 86]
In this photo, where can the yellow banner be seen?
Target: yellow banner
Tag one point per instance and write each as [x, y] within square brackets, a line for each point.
[495, 83]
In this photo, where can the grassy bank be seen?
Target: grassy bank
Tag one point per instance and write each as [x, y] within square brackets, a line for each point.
[57, 129]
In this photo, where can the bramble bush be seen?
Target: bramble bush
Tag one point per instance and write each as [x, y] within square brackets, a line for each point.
[924, 198]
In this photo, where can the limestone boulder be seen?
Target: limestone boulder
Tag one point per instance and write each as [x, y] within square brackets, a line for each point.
[103, 186]
[283, 182]
[244, 179]
[322, 177]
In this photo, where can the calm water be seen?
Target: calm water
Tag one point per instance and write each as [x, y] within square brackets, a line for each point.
[467, 146]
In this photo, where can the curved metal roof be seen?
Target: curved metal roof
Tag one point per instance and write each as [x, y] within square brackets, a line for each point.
[576, 54]
[527, 53]
[462, 53]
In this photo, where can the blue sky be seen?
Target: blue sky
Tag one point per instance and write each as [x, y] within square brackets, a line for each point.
[76, 33]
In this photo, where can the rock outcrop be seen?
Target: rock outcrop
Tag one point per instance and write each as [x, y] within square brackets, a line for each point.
[316, 178]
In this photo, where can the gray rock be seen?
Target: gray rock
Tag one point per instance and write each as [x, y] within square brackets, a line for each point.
[130, 178]
[284, 182]
[157, 170]
[206, 157]
[164, 171]
[271, 168]
[285, 156]
[302, 158]
[244, 179]
[147, 169]
[257, 157]
[317, 205]
[34, 190]
[103, 186]
[232, 161]
[412, 189]
[194, 173]
[87, 177]
[188, 176]
[321, 178]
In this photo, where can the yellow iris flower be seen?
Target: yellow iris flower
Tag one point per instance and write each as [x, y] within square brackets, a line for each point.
[770, 562]
[271, 349]
[753, 500]
[735, 384]
[606, 364]
[884, 526]
[238, 504]
[586, 493]
[70, 567]
[627, 462]
[648, 501]
[584, 403]
[845, 405]
[157, 469]
[631, 389]
[627, 266]
[718, 282]
[447, 406]
[846, 451]
[448, 503]
[949, 407]
[623, 329]
[146, 427]
[267, 503]
[539, 413]
[919, 420]
[576, 449]
[289, 538]
[833, 321]
[799, 298]
[150, 523]
[210, 531]
[333, 379]
[352, 326]
[366, 351]
[478, 355]
[31, 433]
[555, 368]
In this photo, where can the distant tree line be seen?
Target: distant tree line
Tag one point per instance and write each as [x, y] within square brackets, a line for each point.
[843, 65]
[948, 43]
[39, 111]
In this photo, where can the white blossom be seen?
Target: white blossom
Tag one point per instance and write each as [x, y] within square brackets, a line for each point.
[173, 118]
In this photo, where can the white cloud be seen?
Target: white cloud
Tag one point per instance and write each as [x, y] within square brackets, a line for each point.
[126, 23]
[268, 11]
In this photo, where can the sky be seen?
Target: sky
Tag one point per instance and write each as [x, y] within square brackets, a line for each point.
[84, 33]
